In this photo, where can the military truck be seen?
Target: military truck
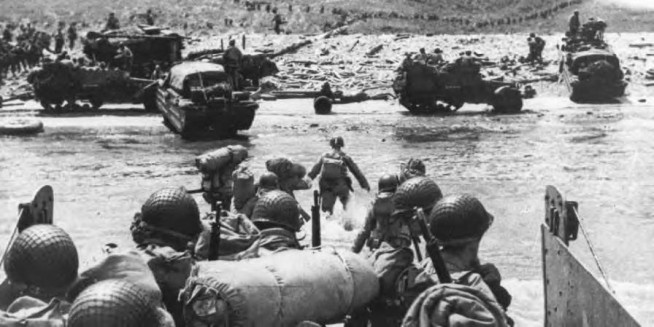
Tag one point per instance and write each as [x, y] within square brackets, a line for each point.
[590, 70]
[196, 99]
[59, 85]
[150, 46]
[423, 88]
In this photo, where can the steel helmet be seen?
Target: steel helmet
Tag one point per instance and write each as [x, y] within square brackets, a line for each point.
[282, 167]
[337, 142]
[387, 183]
[459, 219]
[43, 256]
[277, 208]
[298, 170]
[113, 303]
[416, 192]
[415, 167]
[268, 180]
[172, 209]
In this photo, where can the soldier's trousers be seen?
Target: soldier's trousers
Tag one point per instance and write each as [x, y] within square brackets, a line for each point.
[333, 189]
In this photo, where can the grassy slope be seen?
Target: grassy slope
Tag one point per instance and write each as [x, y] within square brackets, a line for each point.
[198, 17]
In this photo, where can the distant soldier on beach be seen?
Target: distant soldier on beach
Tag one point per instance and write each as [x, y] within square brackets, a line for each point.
[125, 57]
[232, 58]
[436, 58]
[277, 21]
[72, 35]
[422, 56]
[574, 23]
[7, 34]
[59, 40]
[149, 17]
[112, 23]
[536, 46]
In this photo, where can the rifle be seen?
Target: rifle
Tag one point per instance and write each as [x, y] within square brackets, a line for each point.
[432, 248]
[214, 240]
[315, 220]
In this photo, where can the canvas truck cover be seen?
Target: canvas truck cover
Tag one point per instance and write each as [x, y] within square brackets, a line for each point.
[193, 70]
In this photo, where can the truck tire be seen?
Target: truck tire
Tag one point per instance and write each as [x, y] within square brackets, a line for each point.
[96, 102]
[50, 107]
[506, 100]
[150, 100]
[322, 105]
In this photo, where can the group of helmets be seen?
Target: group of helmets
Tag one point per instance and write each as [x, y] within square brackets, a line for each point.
[173, 212]
[43, 263]
[453, 220]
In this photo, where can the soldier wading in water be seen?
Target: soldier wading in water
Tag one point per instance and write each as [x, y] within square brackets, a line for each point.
[409, 291]
[334, 182]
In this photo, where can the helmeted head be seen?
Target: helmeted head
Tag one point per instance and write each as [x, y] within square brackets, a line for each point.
[532, 35]
[277, 209]
[420, 192]
[468, 53]
[422, 50]
[459, 219]
[232, 42]
[576, 12]
[438, 50]
[274, 10]
[282, 167]
[170, 215]
[43, 256]
[336, 142]
[112, 303]
[298, 170]
[111, 14]
[415, 167]
[387, 183]
[268, 181]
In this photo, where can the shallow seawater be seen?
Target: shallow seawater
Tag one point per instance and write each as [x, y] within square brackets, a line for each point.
[103, 167]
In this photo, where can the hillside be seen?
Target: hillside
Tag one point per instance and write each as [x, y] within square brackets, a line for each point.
[207, 17]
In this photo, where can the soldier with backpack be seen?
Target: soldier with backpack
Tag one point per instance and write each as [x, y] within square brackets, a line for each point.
[334, 181]
[379, 226]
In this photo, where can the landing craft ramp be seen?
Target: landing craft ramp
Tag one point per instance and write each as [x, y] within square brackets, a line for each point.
[573, 296]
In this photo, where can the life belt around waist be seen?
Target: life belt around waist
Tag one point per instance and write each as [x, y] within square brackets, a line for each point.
[21, 126]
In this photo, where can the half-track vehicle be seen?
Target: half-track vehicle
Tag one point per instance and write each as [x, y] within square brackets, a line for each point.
[197, 99]
[423, 88]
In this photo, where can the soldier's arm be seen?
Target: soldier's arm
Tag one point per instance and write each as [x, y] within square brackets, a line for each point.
[356, 172]
[364, 234]
[316, 169]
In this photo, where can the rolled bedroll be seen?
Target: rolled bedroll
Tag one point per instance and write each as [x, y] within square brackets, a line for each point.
[283, 289]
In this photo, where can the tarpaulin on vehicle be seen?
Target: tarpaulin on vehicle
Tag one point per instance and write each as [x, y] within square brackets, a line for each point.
[196, 74]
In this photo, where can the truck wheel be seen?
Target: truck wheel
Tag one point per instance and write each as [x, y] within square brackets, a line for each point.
[96, 102]
[47, 106]
[150, 100]
[50, 107]
[506, 100]
[322, 105]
